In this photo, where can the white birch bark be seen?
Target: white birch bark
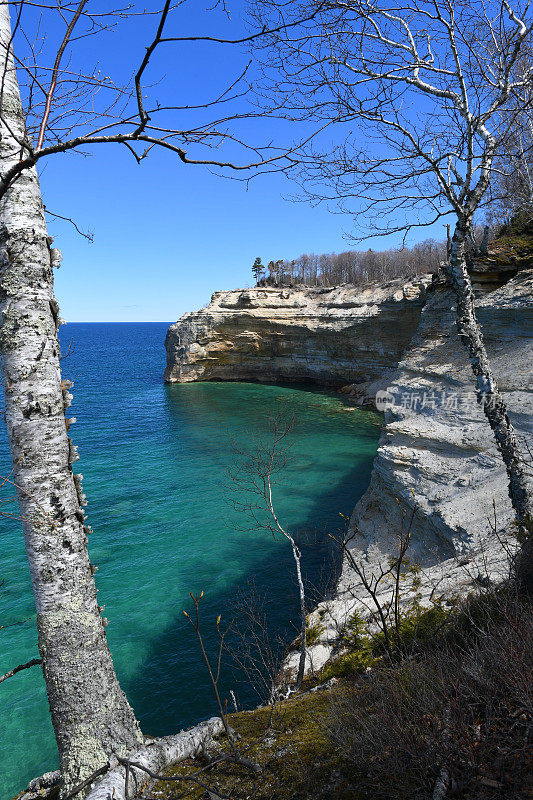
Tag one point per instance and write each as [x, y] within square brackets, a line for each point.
[157, 756]
[494, 406]
[278, 528]
[91, 716]
[303, 617]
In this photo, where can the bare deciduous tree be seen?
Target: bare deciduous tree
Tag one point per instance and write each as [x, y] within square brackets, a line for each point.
[253, 477]
[214, 677]
[511, 190]
[357, 266]
[380, 588]
[419, 92]
[254, 649]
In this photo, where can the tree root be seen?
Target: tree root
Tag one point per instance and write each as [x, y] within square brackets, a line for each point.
[45, 787]
[156, 756]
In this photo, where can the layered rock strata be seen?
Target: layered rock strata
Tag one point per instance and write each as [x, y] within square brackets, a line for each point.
[437, 459]
[330, 336]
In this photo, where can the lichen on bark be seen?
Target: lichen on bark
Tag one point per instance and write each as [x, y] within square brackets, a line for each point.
[90, 713]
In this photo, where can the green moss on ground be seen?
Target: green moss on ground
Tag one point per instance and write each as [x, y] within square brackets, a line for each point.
[290, 744]
[514, 246]
[362, 651]
[462, 676]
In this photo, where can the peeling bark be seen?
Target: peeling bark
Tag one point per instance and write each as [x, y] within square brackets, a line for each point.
[441, 785]
[41, 788]
[494, 406]
[157, 755]
[91, 716]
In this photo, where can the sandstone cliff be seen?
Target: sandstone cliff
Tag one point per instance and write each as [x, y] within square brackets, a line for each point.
[436, 452]
[330, 336]
[436, 448]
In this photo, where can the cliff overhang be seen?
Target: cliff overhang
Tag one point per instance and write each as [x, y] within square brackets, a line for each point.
[329, 336]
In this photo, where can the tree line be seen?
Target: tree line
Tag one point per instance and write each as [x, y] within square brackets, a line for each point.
[352, 266]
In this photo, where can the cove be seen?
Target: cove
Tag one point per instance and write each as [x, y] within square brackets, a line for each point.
[155, 461]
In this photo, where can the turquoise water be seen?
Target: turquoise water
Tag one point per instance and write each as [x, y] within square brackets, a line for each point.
[155, 460]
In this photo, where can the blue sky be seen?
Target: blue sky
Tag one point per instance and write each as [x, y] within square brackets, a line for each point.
[166, 235]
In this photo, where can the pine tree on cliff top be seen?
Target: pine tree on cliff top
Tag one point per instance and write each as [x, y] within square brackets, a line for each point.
[258, 269]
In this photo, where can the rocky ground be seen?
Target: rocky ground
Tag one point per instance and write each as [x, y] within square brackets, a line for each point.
[437, 461]
[448, 702]
[451, 708]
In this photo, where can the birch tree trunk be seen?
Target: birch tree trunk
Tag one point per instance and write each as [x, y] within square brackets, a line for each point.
[494, 405]
[91, 716]
[303, 617]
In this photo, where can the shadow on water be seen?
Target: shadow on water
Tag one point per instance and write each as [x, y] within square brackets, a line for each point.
[154, 460]
[170, 690]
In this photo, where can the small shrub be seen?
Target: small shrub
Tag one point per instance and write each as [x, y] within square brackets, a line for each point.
[312, 634]
[464, 700]
[417, 626]
[355, 634]
[349, 665]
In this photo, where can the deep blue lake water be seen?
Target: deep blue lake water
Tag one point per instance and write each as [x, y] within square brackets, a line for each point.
[155, 461]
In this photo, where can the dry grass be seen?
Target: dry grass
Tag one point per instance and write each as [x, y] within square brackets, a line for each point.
[463, 700]
[465, 703]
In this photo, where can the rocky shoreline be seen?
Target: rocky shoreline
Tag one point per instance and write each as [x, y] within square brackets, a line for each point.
[435, 454]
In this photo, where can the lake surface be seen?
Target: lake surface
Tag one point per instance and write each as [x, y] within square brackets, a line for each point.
[155, 460]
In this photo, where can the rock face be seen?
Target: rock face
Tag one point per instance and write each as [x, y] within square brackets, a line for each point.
[436, 456]
[436, 449]
[330, 336]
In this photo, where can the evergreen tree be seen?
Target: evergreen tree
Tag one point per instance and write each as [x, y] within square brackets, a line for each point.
[258, 269]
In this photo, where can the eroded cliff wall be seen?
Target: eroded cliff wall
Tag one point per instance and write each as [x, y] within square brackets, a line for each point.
[437, 458]
[436, 449]
[332, 336]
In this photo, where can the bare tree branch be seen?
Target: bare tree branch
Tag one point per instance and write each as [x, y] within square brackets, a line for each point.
[33, 663]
